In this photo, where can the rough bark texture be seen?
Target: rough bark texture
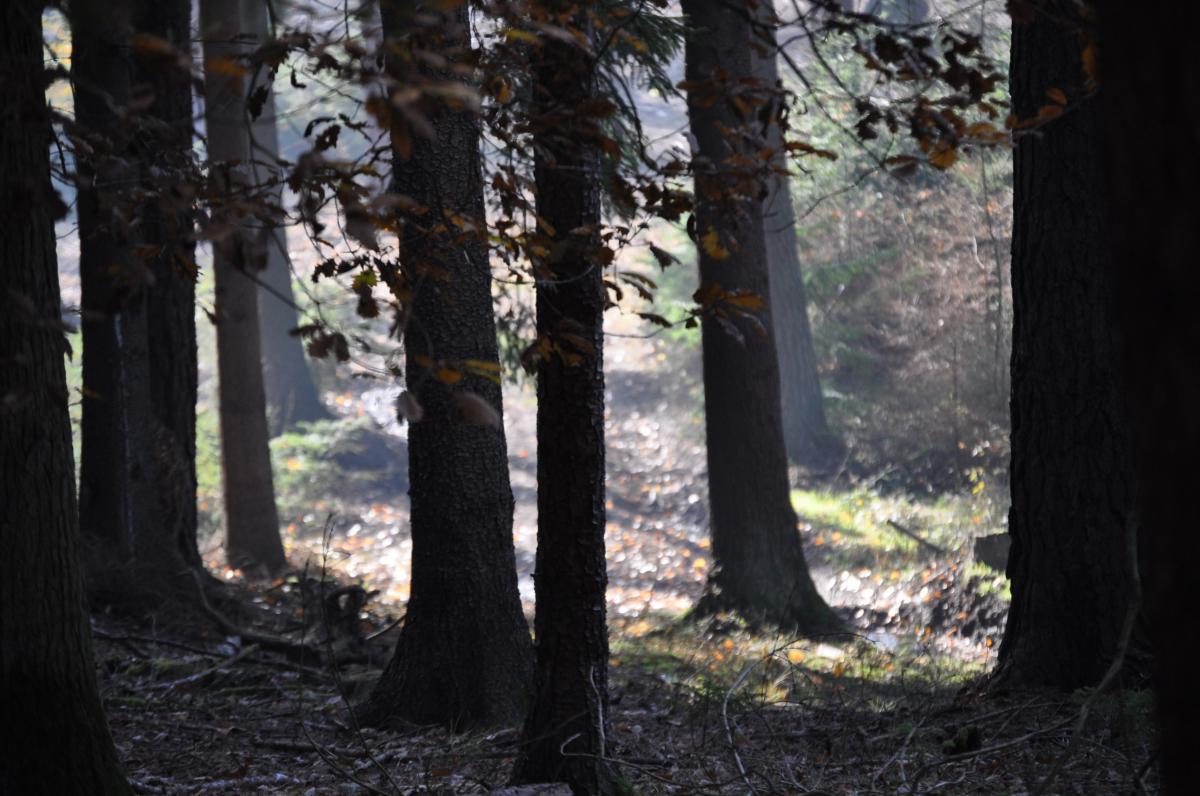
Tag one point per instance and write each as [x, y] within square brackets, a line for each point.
[806, 435]
[1150, 81]
[118, 505]
[292, 395]
[251, 521]
[59, 743]
[1072, 474]
[464, 656]
[563, 737]
[164, 145]
[760, 568]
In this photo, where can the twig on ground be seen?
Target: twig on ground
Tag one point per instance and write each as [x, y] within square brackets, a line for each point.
[244, 652]
[737, 757]
[393, 624]
[917, 538]
[984, 751]
[896, 755]
[152, 640]
[337, 676]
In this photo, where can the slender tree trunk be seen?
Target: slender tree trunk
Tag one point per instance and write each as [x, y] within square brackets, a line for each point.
[119, 509]
[292, 395]
[563, 738]
[806, 435]
[59, 743]
[251, 522]
[1072, 474]
[1152, 166]
[164, 152]
[464, 655]
[760, 569]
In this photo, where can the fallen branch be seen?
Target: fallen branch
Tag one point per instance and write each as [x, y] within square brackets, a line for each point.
[987, 750]
[385, 629]
[244, 652]
[917, 538]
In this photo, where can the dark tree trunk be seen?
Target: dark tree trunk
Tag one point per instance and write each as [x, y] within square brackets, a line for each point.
[1150, 81]
[118, 506]
[58, 742]
[1072, 475]
[806, 435]
[464, 656]
[760, 568]
[164, 147]
[563, 738]
[251, 521]
[292, 395]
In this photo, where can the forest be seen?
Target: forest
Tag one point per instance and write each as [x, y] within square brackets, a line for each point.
[537, 398]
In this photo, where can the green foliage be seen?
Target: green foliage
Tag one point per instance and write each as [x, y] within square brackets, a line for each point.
[852, 525]
[986, 580]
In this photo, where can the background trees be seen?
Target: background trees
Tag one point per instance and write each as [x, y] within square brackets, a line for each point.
[806, 434]
[120, 509]
[47, 680]
[239, 252]
[291, 393]
[164, 152]
[760, 569]
[559, 136]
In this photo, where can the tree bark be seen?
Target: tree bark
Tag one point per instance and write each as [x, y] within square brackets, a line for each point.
[252, 538]
[806, 434]
[464, 656]
[164, 147]
[47, 681]
[564, 734]
[760, 568]
[1072, 476]
[1152, 165]
[118, 506]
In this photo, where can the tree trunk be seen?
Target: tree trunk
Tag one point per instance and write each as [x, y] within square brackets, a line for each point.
[60, 743]
[1072, 474]
[251, 522]
[760, 569]
[806, 435]
[118, 505]
[464, 656]
[164, 152]
[563, 737]
[292, 395]
[1152, 166]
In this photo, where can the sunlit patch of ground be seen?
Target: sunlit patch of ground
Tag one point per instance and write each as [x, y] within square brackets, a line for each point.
[902, 594]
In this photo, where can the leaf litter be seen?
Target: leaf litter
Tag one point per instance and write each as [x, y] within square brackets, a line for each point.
[715, 707]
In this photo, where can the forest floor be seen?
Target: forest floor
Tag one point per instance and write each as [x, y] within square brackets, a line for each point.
[707, 708]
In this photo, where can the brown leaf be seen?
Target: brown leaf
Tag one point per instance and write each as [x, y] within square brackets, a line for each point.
[663, 257]
[408, 408]
[475, 409]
